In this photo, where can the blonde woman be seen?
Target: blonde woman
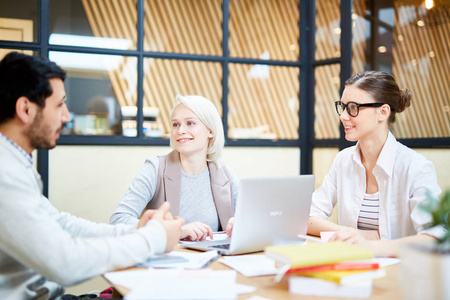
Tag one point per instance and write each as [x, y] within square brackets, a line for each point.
[199, 187]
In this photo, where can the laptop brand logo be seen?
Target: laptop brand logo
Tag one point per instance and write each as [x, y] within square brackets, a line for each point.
[275, 213]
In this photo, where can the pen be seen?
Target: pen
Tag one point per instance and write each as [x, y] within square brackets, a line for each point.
[310, 238]
[283, 270]
[209, 262]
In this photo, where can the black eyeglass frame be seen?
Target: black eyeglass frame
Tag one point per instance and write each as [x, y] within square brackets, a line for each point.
[358, 105]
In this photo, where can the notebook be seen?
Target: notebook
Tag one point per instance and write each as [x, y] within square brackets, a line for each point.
[269, 211]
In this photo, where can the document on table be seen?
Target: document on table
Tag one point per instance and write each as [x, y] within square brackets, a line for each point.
[190, 284]
[217, 236]
[179, 259]
[251, 265]
[317, 287]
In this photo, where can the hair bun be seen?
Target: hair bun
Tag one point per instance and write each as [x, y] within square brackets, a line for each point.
[405, 100]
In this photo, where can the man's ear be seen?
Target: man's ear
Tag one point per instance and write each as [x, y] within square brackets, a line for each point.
[385, 112]
[25, 110]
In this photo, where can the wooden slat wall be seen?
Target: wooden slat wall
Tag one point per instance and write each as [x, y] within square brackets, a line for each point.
[115, 19]
[326, 123]
[257, 26]
[413, 68]
[428, 77]
[328, 17]
[195, 27]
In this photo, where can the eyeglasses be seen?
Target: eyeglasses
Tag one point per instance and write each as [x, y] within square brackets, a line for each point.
[353, 107]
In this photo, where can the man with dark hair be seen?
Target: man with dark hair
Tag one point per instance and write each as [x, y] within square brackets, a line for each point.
[41, 249]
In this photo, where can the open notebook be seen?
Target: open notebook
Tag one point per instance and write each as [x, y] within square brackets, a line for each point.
[269, 211]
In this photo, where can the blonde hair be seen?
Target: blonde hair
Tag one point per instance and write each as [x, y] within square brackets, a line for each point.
[208, 114]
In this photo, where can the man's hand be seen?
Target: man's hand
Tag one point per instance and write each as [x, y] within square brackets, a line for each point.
[145, 217]
[230, 225]
[171, 225]
[196, 231]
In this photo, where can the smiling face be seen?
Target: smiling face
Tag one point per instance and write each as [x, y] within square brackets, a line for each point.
[48, 122]
[189, 135]
[368, 123]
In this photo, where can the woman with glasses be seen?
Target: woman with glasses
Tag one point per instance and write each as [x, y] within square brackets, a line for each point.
[199, 187]
[378, 184]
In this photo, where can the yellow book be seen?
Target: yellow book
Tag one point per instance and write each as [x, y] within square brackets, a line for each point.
[347, 277]
[316, 254]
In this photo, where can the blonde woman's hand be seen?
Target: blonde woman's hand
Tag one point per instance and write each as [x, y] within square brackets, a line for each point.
[230, 225]
[196, 231]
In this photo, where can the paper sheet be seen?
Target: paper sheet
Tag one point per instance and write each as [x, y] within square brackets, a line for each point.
[217, 236]
[317, 287]
[326, 235]
[179, 259]
[190, 284]
[251, 265]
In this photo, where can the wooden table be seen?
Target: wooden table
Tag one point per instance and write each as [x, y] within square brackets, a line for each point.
[384, 288]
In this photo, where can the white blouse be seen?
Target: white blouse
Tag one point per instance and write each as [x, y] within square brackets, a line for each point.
[403, 177]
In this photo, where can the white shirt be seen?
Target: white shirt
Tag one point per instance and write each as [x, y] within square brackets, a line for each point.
[403, 178]
[42, 250]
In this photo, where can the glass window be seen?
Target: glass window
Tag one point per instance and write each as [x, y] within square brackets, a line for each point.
[188, 26]
[264, 29]
[98, 24]
[415, 53]
[100, 89]
[3, 52]
[165, 78]
[326, 90]
[360, 37]
[263, 102]
[19, 20]
[328, 29]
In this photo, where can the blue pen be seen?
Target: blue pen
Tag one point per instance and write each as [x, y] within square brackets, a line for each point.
[209, 262]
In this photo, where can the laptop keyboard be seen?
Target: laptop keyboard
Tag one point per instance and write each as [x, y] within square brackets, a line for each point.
[222, 246]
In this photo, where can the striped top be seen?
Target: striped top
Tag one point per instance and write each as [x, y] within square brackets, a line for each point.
[368, 215]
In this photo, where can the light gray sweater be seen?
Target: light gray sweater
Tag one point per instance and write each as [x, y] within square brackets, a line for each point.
[42, 250]
[196, 203]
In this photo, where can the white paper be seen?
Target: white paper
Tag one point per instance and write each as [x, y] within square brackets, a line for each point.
[180, 259]
[127, 279]
[183, 284]
[318, 287]
[244, 289]
[251, 265]
[257, 298]
[326, 235]
[216, 237]
[386, 261]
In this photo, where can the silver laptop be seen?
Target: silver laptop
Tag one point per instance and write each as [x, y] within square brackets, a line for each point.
[269, 211]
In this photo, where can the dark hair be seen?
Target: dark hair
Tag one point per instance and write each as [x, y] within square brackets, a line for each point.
[28, 76]
[383, 89]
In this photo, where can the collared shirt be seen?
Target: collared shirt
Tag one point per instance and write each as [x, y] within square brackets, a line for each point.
[23, 152]
[43, 249]
[403, 177]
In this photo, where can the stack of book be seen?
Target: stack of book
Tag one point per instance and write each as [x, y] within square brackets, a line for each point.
[328, 269]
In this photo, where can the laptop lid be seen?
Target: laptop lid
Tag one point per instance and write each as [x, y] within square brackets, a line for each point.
[269, 211]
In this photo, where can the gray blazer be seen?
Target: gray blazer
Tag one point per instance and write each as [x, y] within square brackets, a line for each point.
[169, 178]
